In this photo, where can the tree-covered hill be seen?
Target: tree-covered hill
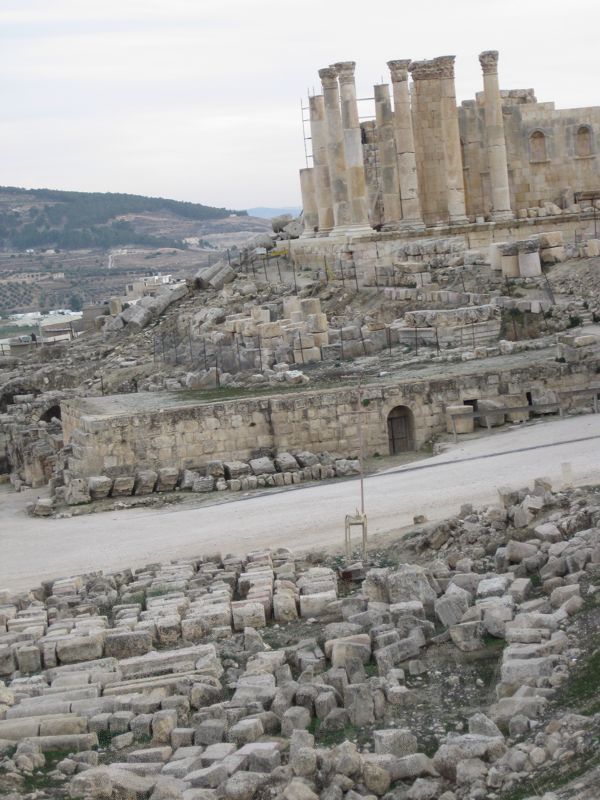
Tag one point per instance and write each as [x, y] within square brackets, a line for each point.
[32, 218]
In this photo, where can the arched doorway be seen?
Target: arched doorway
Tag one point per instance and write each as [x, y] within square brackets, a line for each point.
[400, 430]
[50, 414]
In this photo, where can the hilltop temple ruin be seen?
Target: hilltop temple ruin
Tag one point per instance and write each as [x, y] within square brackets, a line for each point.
[428, 163]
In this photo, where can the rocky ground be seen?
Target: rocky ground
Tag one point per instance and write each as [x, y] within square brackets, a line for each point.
[461, 661]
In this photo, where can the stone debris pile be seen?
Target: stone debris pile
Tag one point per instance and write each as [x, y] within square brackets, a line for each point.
[141, 314]
[229, 677]
[284, 469]
[298, 337]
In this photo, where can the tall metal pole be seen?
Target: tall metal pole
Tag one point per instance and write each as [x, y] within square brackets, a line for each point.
[360, 447]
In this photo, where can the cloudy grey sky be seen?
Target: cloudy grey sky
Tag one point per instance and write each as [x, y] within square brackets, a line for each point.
[200, 100]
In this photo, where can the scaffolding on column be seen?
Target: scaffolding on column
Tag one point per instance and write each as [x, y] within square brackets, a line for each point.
[305, 121]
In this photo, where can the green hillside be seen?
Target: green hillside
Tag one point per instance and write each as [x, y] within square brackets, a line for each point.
[41, 218]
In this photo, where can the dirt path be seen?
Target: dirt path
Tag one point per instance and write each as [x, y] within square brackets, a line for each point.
[300, 518]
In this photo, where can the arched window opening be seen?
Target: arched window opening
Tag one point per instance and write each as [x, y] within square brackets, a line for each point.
[583, 141]
[537, 147]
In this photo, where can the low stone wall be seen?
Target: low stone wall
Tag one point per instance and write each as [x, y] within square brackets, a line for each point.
[122, 434]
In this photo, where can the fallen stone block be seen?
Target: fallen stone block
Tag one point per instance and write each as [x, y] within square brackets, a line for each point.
[75, 742]
[99, 487]
[395, 741]
[467, 636]
[123, 486]
[125, 644]
[74, 649]
[248, 615]
[316, 605]
[145, 481]
[167, 479]
[77, 493]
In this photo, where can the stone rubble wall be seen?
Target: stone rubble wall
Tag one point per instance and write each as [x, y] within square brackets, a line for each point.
[30, 442]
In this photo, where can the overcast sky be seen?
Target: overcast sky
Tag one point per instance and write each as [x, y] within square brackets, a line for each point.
[200, 100]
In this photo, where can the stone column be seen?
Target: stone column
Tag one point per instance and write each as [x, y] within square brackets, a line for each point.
[355, 168]
[336, 157]
[405, 146]
[310, 211]
[455, 187]
[388, 166]
[496, 142]
[429, 151]
[318, 133]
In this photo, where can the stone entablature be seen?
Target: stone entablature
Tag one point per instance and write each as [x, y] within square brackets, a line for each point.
[440, 67]
[121, 434]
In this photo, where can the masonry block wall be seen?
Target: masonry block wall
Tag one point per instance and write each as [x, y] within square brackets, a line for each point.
[188, 434]
[552, 153]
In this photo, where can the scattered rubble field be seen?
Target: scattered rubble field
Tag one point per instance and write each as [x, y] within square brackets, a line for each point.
[459, 662]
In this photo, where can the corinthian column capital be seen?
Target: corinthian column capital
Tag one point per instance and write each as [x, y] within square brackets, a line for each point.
[345, 71]
[445, 65]
[328, 76]
[489, 62]
[399, 70]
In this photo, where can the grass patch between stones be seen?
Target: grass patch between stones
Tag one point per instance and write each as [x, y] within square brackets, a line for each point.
[554, 778]
[41, 779]
[582, 690]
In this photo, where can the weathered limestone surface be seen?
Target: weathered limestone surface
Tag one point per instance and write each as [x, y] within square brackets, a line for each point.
[318, 132]
[310, 208]
[494, 131]
[336, 156]
[388, 158]
[355, 171]
[405, 145]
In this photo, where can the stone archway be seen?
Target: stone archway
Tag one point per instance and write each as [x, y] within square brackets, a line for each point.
[401, 434]
[51, 413]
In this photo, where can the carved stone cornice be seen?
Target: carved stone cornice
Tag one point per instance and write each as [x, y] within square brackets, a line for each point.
[489, 62]
[399, 70]
[433, 69]
[328, 76]
[345, 71]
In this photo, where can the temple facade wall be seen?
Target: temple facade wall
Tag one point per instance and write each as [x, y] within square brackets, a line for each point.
[188, 435]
